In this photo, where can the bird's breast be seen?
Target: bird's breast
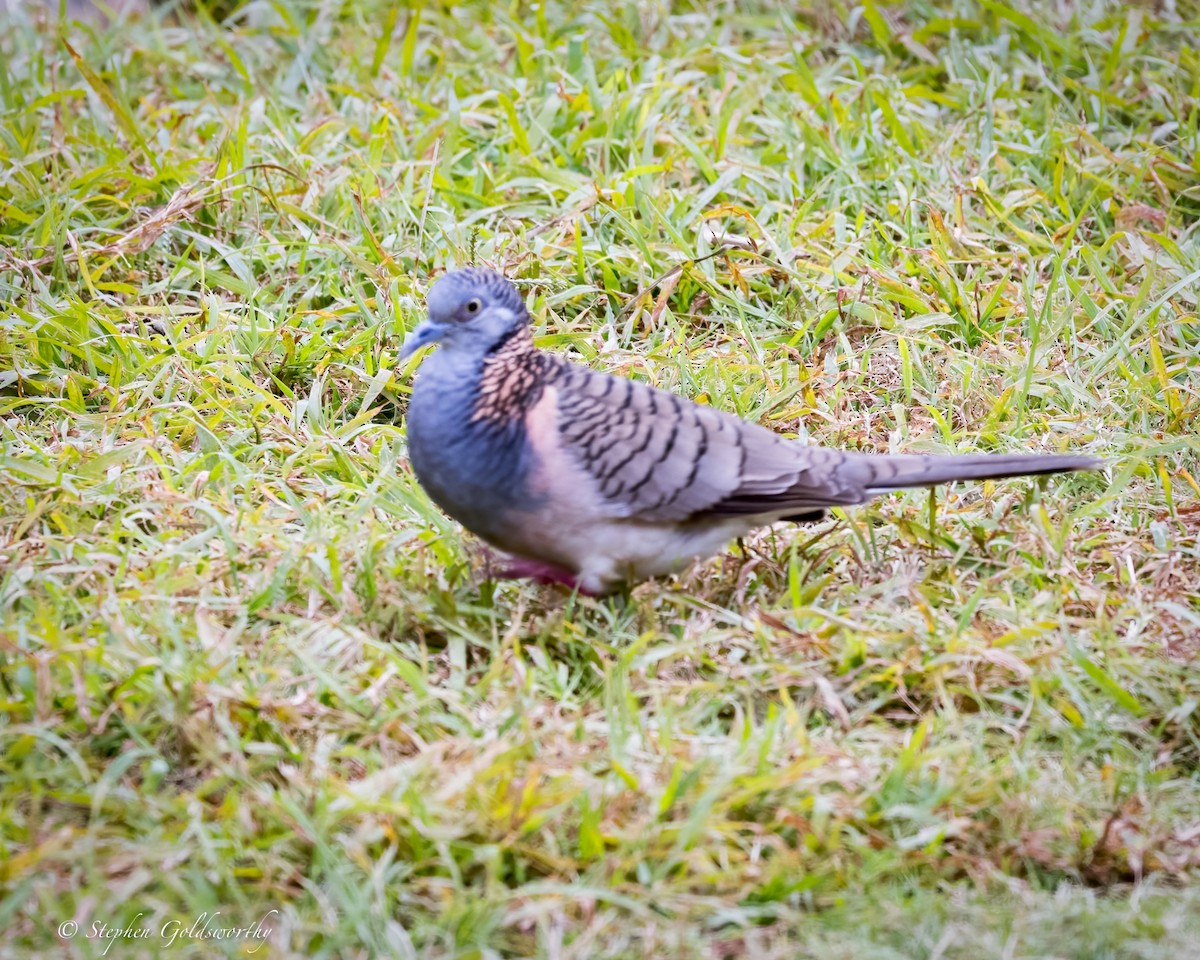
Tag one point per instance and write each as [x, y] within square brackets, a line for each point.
[476, 470]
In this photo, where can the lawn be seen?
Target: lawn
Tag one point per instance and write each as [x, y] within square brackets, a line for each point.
[249, 674]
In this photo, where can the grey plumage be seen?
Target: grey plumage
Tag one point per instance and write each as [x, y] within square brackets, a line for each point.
[595, 480]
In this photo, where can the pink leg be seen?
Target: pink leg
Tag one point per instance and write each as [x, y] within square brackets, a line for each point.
[518, 568]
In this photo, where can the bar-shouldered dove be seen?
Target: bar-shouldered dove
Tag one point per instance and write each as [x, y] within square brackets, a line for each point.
[596, 481]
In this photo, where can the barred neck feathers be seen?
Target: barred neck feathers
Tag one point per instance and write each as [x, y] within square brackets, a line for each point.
[511, 381]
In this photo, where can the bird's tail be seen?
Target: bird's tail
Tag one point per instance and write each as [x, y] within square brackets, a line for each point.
[837, 478]
[885, 473]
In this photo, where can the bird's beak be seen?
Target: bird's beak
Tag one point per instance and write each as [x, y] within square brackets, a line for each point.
[427, 332]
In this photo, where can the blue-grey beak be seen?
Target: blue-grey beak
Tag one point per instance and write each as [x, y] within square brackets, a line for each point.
[427, 332]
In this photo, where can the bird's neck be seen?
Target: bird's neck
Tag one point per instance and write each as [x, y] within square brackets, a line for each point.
[494, 389]
[511, 380]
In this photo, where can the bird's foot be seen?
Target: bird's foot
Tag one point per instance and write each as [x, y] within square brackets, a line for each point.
[520, 568]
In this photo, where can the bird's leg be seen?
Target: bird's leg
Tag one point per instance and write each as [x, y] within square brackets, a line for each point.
[520, 568]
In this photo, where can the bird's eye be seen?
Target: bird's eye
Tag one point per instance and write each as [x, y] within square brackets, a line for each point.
[474, 305]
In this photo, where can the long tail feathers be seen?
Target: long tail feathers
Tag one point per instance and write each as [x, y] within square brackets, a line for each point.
[832, 478]
[902, 471]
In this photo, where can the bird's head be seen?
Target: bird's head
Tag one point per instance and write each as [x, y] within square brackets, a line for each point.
[470, 309]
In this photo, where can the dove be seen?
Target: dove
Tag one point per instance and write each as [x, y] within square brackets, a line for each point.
[596, 481]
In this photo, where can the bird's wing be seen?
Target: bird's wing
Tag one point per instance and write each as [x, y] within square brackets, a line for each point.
[658, 457]
[655, 456]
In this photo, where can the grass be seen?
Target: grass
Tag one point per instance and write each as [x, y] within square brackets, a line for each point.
[246, 666]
